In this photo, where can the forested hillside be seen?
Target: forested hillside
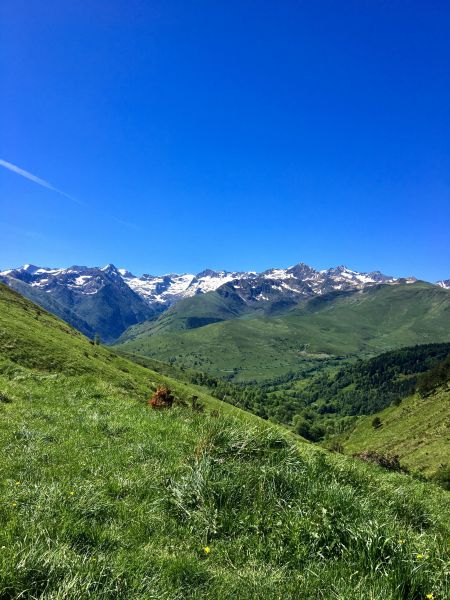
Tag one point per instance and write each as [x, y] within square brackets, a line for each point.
[417, 430]
[321, 397]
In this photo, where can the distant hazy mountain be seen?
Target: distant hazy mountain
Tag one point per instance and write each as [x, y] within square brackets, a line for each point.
[108, 300]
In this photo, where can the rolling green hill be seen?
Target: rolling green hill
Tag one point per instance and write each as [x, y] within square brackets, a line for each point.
[191, 313]
[49, 303]
[366, 322]
[418, 431]
[102, 497]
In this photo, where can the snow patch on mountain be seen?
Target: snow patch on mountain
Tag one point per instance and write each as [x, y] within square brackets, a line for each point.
[445, 283]
[161, 291]
[278, 274]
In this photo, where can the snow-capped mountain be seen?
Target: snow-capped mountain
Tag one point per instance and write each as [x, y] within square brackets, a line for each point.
[301, 281]
[108, 300]
[168, 289]
[92, 300]
[445, 283]
[165, 290]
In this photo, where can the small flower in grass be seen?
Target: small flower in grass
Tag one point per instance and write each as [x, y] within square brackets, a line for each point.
[430, 596]
[14, 504]
[420, 556]
[206, 549]
[401, 542]
[71, 493]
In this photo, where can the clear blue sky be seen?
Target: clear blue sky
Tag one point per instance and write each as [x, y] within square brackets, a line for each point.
[226, 134]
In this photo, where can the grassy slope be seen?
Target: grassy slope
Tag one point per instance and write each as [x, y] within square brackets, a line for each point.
[368, 322]
[203, 309]
[190, 313]
[35, 339]
[103, 498]
[418, 431]
[46, 301]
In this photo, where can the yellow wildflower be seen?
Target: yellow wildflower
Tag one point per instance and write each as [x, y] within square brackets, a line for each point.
[71, 493]
[430, 596]
[401, 541]
[206, 549]
[420, 556]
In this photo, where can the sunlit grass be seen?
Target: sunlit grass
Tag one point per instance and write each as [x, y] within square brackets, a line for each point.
[103, 497]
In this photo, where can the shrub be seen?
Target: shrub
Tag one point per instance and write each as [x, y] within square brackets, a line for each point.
[162, 398]
[196, 405]
[391, 463]
[376, 423]
[336, 446]
[442, 477]
[310, 431]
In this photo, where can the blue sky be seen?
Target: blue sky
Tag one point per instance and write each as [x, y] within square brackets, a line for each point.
[226, 134]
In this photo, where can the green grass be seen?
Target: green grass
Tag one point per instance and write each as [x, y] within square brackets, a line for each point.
[191, 313]
[35, 339]
[418, 431]
[250, 348]
[102, 497]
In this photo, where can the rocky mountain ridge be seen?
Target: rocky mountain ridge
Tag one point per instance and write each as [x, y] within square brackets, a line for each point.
[168, 289]
[108, 299]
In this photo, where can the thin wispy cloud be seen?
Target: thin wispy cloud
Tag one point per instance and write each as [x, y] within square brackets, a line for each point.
[38, 180]
[21, 231]
[49, 186]
[126, 223]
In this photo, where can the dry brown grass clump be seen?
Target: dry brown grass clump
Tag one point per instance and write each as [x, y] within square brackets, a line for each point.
[162, 398]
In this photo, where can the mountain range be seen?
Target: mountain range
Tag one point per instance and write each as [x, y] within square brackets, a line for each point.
[107, 300]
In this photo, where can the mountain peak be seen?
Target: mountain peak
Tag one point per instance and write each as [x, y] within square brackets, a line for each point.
[29, 268]
[126, 274]
[209, 273]
[340, 269]
[444, 283]
[302, 271]
[111, 269]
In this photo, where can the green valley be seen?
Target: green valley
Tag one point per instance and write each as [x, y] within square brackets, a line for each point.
[251, 347]
[335, 397]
